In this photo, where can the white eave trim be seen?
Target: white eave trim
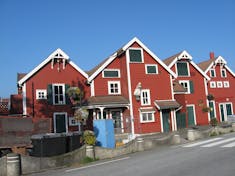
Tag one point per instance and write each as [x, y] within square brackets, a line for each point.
[190, 61]
[31, 73]
[101, 68]
[216, 61]
[124, 48]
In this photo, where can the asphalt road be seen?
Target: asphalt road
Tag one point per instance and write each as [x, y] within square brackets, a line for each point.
[209, 157]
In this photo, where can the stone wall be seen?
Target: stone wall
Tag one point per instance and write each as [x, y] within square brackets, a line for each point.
[3, 166]
[31, 164]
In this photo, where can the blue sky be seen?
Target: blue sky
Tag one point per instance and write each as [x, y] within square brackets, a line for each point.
[89, 31]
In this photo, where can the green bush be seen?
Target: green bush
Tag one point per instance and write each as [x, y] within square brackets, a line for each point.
[214, 122]
[89, 137]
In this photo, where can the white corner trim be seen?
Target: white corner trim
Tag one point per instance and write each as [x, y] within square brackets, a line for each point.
[130, 94]
[24, 99]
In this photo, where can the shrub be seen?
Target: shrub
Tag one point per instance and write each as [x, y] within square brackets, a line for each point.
[89, 137]
[214, 122]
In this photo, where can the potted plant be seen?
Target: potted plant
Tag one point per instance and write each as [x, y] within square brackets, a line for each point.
[206, 109]
[210, 97]
[90, 141]
[214, 122]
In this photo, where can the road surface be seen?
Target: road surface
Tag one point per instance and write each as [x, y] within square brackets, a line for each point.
[209, 157]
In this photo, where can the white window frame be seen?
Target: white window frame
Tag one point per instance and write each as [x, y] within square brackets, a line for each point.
[73, 121]
[148, 113]
[225, 73]
[176, 68]
[212, 84]
[142, 55]
[226, 84]
[111, 70]
[219, 84]
[188, 85]
[53, 93]
[146, 69]
[40, 91]
[145, 101]
[66, 120]
[118, 86]
[211, 73]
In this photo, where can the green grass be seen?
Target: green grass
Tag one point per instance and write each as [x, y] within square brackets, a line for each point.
[88, 160]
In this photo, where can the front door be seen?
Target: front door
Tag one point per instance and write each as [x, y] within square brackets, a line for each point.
[117, 121]
[191, 117]
[60, 122]
[166, 120]
[225, 111]
[212, 109]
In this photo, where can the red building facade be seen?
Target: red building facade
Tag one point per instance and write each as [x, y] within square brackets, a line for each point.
[44, 90]
[220, 87]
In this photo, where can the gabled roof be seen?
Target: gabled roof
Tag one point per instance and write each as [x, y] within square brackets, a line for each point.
[186, 56]
[207, 65]
[56, 53]
[94, 72]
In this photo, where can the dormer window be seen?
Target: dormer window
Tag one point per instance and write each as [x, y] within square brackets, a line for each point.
[182, 69]
[223, 73]
[212, 73]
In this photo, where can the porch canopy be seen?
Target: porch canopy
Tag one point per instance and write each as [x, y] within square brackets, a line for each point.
[166, 104]
[110, 101]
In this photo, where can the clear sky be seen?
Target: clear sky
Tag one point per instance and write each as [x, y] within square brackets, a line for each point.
[90, 30]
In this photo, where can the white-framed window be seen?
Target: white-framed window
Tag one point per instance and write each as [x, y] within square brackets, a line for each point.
[41, 94]
[212, 73]
[58, 94]
[223, 73]
[111, 73]
[219, 84]
[151, 69]
[226, 84]
[182, 68]
[188, 85]
[73, 121]
[114, 87]
[136, 55]
[212, 84]
[146, 117]
[145, 97]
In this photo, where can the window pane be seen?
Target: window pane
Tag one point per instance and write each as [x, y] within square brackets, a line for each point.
[56, 89]
[135, 55]
[151, 69]
[111, 74]
[150, 117]
[182, 69]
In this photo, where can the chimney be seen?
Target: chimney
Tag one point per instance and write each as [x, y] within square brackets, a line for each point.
[212, 55]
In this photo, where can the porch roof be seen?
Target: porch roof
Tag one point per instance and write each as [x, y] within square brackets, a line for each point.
[107, 101]
[166, 104]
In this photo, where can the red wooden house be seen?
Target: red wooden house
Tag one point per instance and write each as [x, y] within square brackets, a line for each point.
[44, 90]
[220, 88]
[133, 87]
[194, 80]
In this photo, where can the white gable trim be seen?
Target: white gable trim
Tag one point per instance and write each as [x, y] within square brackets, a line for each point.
[78, 69]
[183, 55]
[217, 60]
[51, 56]
[124, 48]
[188, 57]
